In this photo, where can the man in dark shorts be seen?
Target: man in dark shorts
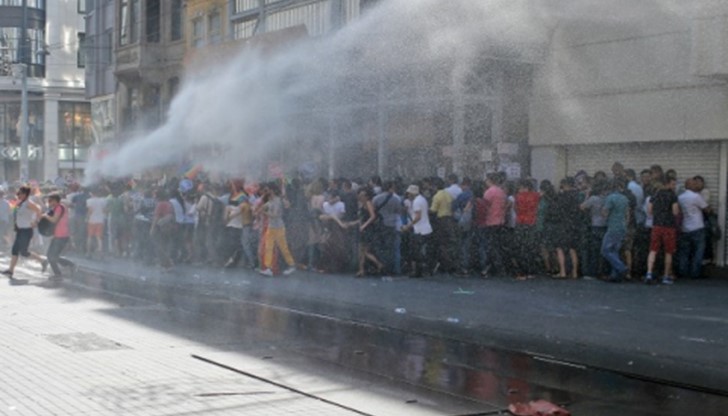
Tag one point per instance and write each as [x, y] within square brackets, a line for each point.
[24, 219]
[664, 209]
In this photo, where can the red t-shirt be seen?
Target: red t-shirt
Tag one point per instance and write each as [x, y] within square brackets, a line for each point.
[62, 230]
[527, 207]
[163, 209]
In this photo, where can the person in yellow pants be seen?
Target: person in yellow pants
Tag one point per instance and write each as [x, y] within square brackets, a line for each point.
[275, 235]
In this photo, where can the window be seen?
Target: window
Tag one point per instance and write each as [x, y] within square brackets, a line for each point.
[81, 52]
[198, 32]
[244, 29]
[75, 133]
[153, 21]
[107, 47]
[82, 6]
[214, 27]
[134, 21]
[176, 20]
[245, 5]
[124, 22]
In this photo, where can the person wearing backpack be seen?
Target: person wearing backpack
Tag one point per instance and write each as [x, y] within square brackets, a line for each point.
[211, 223]
[58, 216]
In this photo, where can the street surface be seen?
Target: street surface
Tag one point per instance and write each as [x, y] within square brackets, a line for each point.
[67, 352]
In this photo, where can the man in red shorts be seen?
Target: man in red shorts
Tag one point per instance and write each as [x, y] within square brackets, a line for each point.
[664, 208]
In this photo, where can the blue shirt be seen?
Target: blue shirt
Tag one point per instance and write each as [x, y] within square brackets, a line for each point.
[618, 206]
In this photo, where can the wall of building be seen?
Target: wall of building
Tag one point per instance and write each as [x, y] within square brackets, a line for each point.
[624, 82]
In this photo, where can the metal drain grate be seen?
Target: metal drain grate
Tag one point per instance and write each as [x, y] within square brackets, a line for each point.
[85, 342]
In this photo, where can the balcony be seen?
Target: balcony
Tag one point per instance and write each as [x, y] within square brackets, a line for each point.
[149, 61]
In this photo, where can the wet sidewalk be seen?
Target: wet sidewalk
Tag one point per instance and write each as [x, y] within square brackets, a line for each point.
[672, 335]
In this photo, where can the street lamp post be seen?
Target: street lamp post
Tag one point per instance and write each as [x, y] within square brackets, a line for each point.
[21, 71]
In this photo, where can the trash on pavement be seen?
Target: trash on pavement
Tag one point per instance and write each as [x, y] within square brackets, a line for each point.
[537, 408]
[401, 310]
[460, 291]
[453, 320]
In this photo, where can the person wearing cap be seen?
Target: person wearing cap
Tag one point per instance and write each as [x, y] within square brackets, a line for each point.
[419, 224]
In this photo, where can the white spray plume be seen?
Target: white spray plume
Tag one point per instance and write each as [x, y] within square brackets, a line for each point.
[247, 109]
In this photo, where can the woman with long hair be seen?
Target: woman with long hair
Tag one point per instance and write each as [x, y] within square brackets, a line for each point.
[367, 235]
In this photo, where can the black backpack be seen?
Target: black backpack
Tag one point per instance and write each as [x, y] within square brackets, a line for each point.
[47, 228]
[215, 217]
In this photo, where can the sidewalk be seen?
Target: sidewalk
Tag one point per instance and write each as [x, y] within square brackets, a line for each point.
[67, 353]
[675, 334]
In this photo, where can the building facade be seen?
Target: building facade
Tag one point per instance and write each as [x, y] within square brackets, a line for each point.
[59, 121]
[645, 92]
[408, 127]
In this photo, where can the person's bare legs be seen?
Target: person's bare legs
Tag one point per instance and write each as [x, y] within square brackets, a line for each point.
[562, 262]
[574, 264]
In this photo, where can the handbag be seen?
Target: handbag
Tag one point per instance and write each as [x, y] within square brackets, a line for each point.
[47, 227]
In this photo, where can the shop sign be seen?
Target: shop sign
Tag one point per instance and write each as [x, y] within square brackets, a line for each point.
[13, 152]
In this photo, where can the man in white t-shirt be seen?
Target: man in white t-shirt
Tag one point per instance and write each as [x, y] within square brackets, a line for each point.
[419, 223]
[96, 218]
[691, 245]
[333, 207]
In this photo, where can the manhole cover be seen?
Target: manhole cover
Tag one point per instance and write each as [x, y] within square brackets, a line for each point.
[84, 342]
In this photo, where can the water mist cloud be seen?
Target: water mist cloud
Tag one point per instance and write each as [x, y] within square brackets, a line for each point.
[241, 114]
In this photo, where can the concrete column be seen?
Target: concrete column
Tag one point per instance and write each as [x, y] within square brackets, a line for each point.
[458, 120]
[722, 259]
[50, 138]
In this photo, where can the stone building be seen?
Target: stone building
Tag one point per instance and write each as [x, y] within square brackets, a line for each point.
[59, 119]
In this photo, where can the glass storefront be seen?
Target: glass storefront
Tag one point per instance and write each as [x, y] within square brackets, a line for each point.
[10, 123]
[75, 131]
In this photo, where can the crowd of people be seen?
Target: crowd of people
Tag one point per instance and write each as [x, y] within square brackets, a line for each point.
[614, 227]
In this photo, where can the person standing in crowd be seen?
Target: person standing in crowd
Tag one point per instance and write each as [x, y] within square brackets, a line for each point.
[419, 224]
[547, 222]
[454, 189]
[334, 250]
[526, 242]
[569, 221]
[61, 234]
[387, 207]
[691, 247]
[79, 199]
[24, 219]
[97, 211]
[367, 234]
[444, 228]
[211, 223]
[616, 210]
[664, 209]
[144, 206]
[162, 229]
[594, 203]
[463, 209]
[491, 215]
[275, 234]
[350, 199]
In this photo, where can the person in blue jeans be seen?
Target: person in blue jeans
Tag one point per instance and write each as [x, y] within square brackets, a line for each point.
[691, 246]
[616, 210]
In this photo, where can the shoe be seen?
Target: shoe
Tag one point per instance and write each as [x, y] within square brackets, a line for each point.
[649, 278]
[667, 280]
[266, 272]
[44, 266]
[289, 270]
[18, 282]
[7, 272]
